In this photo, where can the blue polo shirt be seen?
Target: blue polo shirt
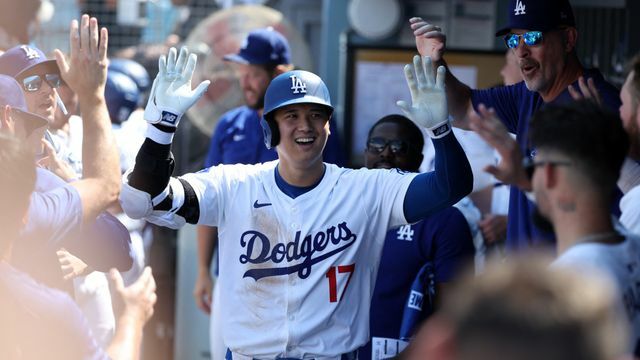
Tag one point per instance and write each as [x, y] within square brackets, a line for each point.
[444, 239]
[515, 105]
[238, 139]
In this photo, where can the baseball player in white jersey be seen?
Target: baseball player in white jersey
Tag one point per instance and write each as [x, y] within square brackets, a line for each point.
[300, 239]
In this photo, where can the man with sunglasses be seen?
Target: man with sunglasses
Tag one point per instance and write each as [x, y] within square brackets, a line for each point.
[543, 36]
[39, 79]
[418, 260]
[59, 210]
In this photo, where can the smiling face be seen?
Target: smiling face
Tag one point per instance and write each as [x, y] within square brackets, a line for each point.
[389, 146]
[542, 64]
[304, 129]
[42, 102]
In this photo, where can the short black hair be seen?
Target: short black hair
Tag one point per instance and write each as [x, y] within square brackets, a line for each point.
[590, 136]
[415, 134]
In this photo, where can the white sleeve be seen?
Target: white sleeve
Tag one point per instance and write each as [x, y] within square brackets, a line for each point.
[386, 190]
[205, 185]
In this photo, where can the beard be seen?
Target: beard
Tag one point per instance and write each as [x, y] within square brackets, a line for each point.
[258, 103]
[542, 222]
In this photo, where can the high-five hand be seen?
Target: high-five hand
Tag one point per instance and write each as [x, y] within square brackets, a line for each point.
[430, 40]
[171, 93]
[86, 70]
[428, 97]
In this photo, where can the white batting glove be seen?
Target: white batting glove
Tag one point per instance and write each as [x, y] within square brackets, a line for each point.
[428, 97]
[171, 95]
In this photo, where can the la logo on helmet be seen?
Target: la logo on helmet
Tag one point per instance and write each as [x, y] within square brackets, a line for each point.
[29, 52]
[297, 85]
[520, 8]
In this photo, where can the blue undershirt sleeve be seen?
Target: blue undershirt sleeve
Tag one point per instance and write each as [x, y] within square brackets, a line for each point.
[451, 181]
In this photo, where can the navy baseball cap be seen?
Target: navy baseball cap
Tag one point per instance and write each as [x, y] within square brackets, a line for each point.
[263, 46]
[538, 15]
[24, 60]
[11, 94]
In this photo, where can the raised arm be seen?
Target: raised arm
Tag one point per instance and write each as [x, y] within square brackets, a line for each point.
[431, 41]
[452, 178]
[86, 73]
[148, 190]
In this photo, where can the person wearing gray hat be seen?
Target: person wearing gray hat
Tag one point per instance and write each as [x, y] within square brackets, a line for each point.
[543, 35]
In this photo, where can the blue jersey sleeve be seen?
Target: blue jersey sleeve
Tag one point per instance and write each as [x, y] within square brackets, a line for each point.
[451, 181]
[504, 99]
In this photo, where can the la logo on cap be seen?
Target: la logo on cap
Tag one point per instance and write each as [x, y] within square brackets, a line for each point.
[297, 85]
[520, 8]
[30, 53]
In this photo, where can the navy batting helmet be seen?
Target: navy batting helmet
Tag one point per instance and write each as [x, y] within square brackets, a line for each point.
[122, 96]
[133, 70]
[293, 87]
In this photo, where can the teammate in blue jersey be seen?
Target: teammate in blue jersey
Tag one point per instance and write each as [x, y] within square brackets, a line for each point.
[543, 36]
[300, 239]
[418, 260]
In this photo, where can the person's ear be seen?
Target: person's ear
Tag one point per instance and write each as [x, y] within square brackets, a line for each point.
[6, 120]
[282, 68]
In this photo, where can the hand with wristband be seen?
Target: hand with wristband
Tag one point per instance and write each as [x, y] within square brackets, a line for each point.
[428, 97]
[171, 94]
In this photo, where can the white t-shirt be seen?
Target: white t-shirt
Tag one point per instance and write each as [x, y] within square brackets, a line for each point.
[621, 262]
[630, 208]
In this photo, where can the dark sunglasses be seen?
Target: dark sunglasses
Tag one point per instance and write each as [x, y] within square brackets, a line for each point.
[530, 38]
[530, 165]
[377, 145]
[33, 83]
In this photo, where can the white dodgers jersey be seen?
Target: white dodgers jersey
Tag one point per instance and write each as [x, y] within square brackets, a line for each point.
[297, 275]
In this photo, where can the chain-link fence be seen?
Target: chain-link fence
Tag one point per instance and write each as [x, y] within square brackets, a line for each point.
[130, 22]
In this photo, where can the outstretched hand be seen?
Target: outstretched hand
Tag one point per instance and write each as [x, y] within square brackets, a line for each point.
[430, 40]
[71, 266]
[86, 70]
[138, 299]
[490, 128]
[587, 91]
[171, 94]
[428, 97]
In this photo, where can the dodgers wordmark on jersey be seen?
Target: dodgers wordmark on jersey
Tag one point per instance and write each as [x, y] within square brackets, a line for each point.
[298, 273]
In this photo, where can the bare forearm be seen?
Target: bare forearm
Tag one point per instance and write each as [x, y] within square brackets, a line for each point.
[458, 97]
[207, 241]
[127, 338]
[99, 150]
